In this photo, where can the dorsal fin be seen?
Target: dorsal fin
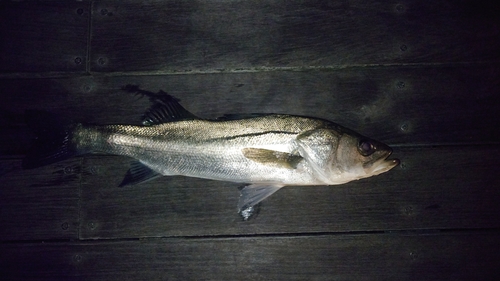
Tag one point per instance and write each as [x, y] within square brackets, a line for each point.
[165, 110]
[165, 107]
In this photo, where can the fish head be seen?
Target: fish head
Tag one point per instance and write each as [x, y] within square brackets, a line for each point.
[337, 155]
[359, 157]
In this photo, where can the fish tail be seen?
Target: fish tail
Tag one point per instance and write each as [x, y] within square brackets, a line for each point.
[53, 142]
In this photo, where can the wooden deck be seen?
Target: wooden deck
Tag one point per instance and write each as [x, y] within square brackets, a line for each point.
[421, 76]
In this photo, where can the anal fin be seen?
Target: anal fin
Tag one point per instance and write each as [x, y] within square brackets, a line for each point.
[138, 173]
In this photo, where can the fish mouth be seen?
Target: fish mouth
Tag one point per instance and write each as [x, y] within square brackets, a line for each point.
[383, 164]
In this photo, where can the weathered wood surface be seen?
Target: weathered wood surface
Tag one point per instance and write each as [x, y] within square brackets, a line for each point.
[39, 204]
[419, 75]
[398, 105]
[441, 188]
[43, 37]
[173, 36]
[462, 256]
[52, 37]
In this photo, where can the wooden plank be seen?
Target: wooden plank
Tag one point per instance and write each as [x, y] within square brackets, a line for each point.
[398, 105]
[441, 188]
[218, 35]
[339, 257]
[39, 204]
[43, 36]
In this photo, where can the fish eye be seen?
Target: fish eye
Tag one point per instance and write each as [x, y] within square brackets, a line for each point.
[366, 148]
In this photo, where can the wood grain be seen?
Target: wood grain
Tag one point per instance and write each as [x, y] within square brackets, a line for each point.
[419, 75]
[43, 37]
[441, 188]
[402, 106]
[39, 204]
[173, 36]
[462, 256]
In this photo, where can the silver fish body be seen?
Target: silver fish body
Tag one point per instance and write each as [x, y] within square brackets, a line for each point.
[266, 152]
[245, 150]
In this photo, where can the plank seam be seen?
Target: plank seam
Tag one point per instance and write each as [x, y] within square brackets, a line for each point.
[288, 68]
[79, 217]
[389, 233]
[89, 37]
[57, 74]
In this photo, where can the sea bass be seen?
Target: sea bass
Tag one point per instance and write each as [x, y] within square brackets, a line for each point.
[263, 151]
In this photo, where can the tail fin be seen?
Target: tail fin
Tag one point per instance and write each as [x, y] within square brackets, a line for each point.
[53, 143]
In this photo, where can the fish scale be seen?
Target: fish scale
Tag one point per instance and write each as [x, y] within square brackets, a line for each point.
[266, 151]
[214, 156]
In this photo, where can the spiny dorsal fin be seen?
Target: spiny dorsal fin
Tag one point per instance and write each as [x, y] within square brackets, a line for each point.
[165, 107]
[272, 157]
[162, 112]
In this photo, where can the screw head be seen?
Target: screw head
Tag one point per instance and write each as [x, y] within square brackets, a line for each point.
[78, 60]
[413, 255]
[77, 258]
[79, 11]
[101, 61]
[94, 170]
[403, 48]
[403, 165]
[91, 225]
[408, 210]
[65, 226]
[87, 88]
[68, 170]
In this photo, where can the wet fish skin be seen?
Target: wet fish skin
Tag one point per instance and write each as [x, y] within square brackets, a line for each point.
[215, 149]
[265, 151]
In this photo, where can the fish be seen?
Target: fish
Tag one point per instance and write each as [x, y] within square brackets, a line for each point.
[264, 152]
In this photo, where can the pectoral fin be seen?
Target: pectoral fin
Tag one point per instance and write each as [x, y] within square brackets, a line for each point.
[252, 194]
[272, 157]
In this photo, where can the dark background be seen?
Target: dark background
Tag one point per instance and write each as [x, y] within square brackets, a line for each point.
[421, 76]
